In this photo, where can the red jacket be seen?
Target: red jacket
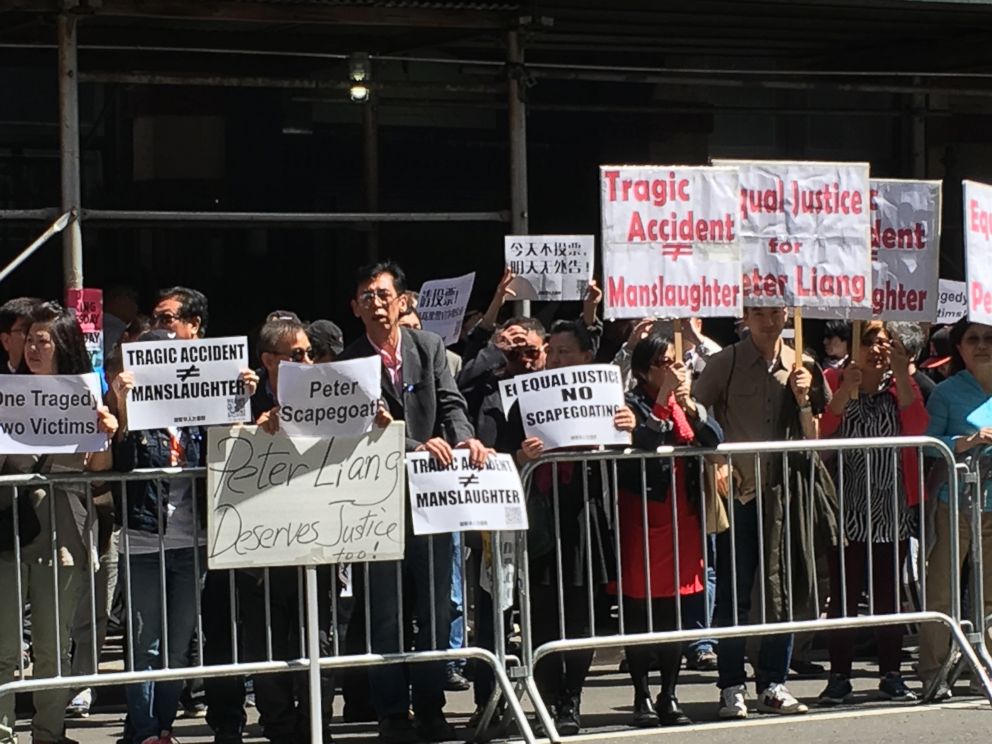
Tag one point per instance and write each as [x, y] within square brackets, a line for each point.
[913, 422]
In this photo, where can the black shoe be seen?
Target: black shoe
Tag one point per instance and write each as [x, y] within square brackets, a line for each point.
[228, 739]
[644, 714]
[567, 720]
[397, 730]
[669, 712]
[434, 727]
[806, 668]
[455, 682]
[837, 691]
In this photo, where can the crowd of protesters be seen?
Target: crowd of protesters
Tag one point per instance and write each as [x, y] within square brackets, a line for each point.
[667, 542]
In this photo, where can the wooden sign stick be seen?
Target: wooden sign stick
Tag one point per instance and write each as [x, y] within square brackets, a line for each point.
[797, 326]
[677, 338]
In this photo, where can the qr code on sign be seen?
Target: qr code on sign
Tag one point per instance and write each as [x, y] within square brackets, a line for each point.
[236, 408]
[511, 515]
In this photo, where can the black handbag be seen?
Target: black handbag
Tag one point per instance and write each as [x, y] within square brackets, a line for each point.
[28, 525]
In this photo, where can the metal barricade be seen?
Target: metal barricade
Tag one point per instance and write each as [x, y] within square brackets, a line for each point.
[311, 603]
[791, 480]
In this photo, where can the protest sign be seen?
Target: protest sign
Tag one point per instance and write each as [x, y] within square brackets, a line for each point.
[186, 383]
[978, 250]
[441, 305]
[572, 405]
[88, 306]
[277, 501]
[670, 241]
[329, 400]
[550, 267]
[460, 498]
[953, 304]
[805, 233]
[507, 394]
[50, 414]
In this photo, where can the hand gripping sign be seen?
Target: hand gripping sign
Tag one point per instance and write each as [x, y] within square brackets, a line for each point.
[279, 501]
[670, 241]
[978, 250]
[805, 232]
[461, 498]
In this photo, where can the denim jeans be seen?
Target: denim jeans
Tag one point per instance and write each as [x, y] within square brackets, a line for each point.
[776, 650]
[692, 612]
[457, 637]
[151, 706]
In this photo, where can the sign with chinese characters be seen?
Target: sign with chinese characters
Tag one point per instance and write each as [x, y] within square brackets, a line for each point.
[441, 305]
[550, 267]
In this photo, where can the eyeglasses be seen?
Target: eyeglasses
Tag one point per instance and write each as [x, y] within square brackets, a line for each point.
[369, 296]
[663, 362]
[297, 355]
[165, 319]
[527, 352]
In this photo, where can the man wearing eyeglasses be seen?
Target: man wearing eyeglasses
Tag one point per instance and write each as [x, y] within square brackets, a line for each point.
[15, 317]
[418, 389]
[181, 312]
[278, 341]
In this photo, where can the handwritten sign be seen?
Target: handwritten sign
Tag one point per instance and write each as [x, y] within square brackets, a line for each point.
[88, 306]
[329, 400]
[50, 414]
[277, 501]
[186, 383]
[572, 405]
[978, 250]
[460, 498]
[670, 241]
[550, 267]
[441, 305]
[805, 232]
[953, 303]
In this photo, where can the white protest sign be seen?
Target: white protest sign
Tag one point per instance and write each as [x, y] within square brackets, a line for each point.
[329, 400]
[550, 267]
[276, 501]
[953, 303]
[50, 414]
[670, 241]
[572, 405]
[460, 498]
[507, 394]
[441, 305]
[186, 383]
[805, 233]
[978, 250]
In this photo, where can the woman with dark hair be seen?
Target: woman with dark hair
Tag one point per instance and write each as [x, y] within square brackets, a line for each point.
[52, 578]
[885, 403]
[665, 415]
[961, 416]
[560, 677]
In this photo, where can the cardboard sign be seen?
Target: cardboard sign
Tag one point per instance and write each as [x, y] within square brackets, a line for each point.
[978, 250]
[187, 383]
[50, 414]
[550, 267]
[276, 501]
[460, 498]
[670, 241]
[441, 306]
[805, 232]
[329, 400]
[572, 406]
[88, 306]
[953, 304]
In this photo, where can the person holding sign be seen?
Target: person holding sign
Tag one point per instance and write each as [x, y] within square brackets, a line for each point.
[560, 685]
[418, 389]
[960, 411]
[758, 393]
[52, 567]
[666, 415]
[885, 403]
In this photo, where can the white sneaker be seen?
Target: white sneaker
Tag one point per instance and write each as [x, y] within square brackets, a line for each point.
[733, 702]
[777, 699]
[80, 705]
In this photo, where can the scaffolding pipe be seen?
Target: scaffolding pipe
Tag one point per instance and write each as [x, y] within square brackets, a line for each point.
[56, 227]
[519, 217]
[118, 217]
[72, 238]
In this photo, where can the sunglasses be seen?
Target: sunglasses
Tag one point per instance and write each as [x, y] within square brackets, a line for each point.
[526, 352]
[297, 355]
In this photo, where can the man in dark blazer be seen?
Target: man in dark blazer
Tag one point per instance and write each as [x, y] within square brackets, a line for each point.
[418, 389]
